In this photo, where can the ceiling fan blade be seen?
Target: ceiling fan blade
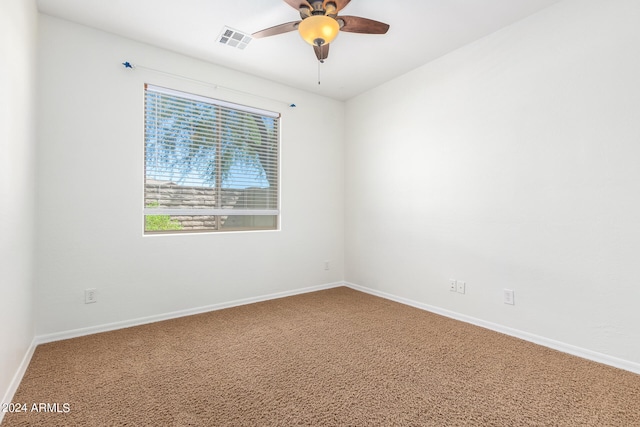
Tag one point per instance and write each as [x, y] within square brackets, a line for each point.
[322, 52]
[356, 24]
[278, 29]
[296, 4]
[340, 4]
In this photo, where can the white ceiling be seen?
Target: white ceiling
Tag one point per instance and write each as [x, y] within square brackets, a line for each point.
[421, 30]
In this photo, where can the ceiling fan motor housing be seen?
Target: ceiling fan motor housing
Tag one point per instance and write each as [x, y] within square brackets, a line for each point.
[317, 8]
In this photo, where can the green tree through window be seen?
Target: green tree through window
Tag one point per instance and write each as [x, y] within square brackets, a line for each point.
[160, 222]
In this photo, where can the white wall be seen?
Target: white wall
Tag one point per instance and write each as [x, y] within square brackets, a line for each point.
[511, 163]
[90, 159]
[18, 30]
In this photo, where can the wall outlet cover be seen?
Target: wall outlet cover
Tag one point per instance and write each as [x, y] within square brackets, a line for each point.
[509, 297]
[90, 296]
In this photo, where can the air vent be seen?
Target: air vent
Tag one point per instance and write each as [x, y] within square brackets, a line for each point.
[234, 38]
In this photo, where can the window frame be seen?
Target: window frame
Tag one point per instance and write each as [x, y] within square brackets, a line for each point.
[217, 212]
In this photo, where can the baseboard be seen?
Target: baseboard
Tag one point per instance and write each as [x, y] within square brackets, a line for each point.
[546, 342]
[556, 345]
[58, 336]
[17, 377]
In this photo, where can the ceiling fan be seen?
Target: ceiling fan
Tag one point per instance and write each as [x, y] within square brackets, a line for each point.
[320, 24]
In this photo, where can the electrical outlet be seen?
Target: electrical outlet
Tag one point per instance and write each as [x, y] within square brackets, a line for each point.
[461, 286]
[326, 265]
[509, 297]
[453, 285]
[90, 296]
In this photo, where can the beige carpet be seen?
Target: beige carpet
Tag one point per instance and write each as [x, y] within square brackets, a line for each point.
[331, 358]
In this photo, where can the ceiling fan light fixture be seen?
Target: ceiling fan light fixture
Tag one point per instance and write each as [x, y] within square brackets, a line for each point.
[318, 30]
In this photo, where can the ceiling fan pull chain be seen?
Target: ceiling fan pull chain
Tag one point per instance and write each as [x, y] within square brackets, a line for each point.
[319, 62]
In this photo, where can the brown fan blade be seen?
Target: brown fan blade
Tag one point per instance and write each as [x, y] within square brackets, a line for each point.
[356, 24]
[297, 3]
[340, 4]
[322, 52]
[278, 29]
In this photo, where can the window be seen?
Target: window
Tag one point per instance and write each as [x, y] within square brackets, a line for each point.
[209, 165]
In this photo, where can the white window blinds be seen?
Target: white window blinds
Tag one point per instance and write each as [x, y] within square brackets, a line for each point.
[207, 160]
